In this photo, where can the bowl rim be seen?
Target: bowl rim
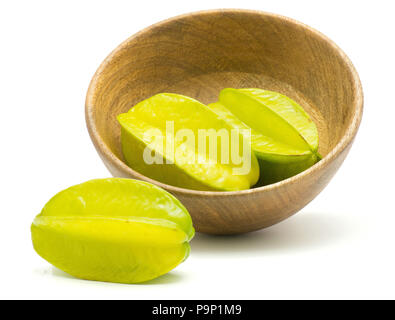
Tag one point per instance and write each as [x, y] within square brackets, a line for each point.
[105, 151]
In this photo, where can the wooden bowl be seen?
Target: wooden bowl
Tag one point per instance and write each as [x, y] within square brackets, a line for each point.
[199, 54]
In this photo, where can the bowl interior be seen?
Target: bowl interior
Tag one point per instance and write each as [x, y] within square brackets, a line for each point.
[199, 54]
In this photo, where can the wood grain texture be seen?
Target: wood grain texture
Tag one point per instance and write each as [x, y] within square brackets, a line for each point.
[201, 53]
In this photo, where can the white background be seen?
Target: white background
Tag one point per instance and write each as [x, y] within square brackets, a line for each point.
[339, 246]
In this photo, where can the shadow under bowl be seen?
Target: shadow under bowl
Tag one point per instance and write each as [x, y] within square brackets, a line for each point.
[199, 54]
